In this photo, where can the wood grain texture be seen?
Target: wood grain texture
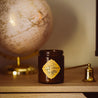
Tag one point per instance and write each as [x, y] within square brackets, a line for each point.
[66, 95]
[29, 83]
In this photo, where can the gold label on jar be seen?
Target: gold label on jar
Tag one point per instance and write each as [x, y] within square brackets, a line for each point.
[51, 69]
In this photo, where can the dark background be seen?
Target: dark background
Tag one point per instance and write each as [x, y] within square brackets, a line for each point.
[96, 28]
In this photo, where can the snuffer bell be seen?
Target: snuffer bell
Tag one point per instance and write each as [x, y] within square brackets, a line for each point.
[89, 74]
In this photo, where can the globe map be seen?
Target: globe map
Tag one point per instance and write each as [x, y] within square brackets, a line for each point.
[25, 25]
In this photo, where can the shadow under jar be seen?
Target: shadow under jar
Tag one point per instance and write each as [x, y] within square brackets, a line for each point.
[51, 66]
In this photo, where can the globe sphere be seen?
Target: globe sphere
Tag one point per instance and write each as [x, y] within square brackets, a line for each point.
[25, 25]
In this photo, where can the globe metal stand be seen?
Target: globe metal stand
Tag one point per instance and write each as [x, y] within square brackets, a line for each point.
[23, 30]
[18, 68]
[21, 68]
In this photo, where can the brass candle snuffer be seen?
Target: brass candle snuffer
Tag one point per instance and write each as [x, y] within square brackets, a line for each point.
[89, 72]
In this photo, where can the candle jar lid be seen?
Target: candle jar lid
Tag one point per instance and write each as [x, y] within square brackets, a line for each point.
[53, 52]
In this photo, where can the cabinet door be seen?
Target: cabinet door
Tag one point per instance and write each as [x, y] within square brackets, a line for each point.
[44, 95]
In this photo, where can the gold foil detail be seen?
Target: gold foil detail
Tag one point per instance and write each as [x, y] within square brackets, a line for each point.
[51, 69]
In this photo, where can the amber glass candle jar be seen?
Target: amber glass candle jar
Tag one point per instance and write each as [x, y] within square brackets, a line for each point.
[51, 66]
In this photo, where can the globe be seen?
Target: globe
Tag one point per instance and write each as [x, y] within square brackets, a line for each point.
[25, 25]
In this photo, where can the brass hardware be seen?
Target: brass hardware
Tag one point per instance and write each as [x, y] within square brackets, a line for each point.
[22, 69]
[18, 61]
[19, 69]
[78, 66]
[89, 74]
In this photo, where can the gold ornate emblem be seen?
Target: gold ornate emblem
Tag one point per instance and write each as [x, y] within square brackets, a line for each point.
[51, 69]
